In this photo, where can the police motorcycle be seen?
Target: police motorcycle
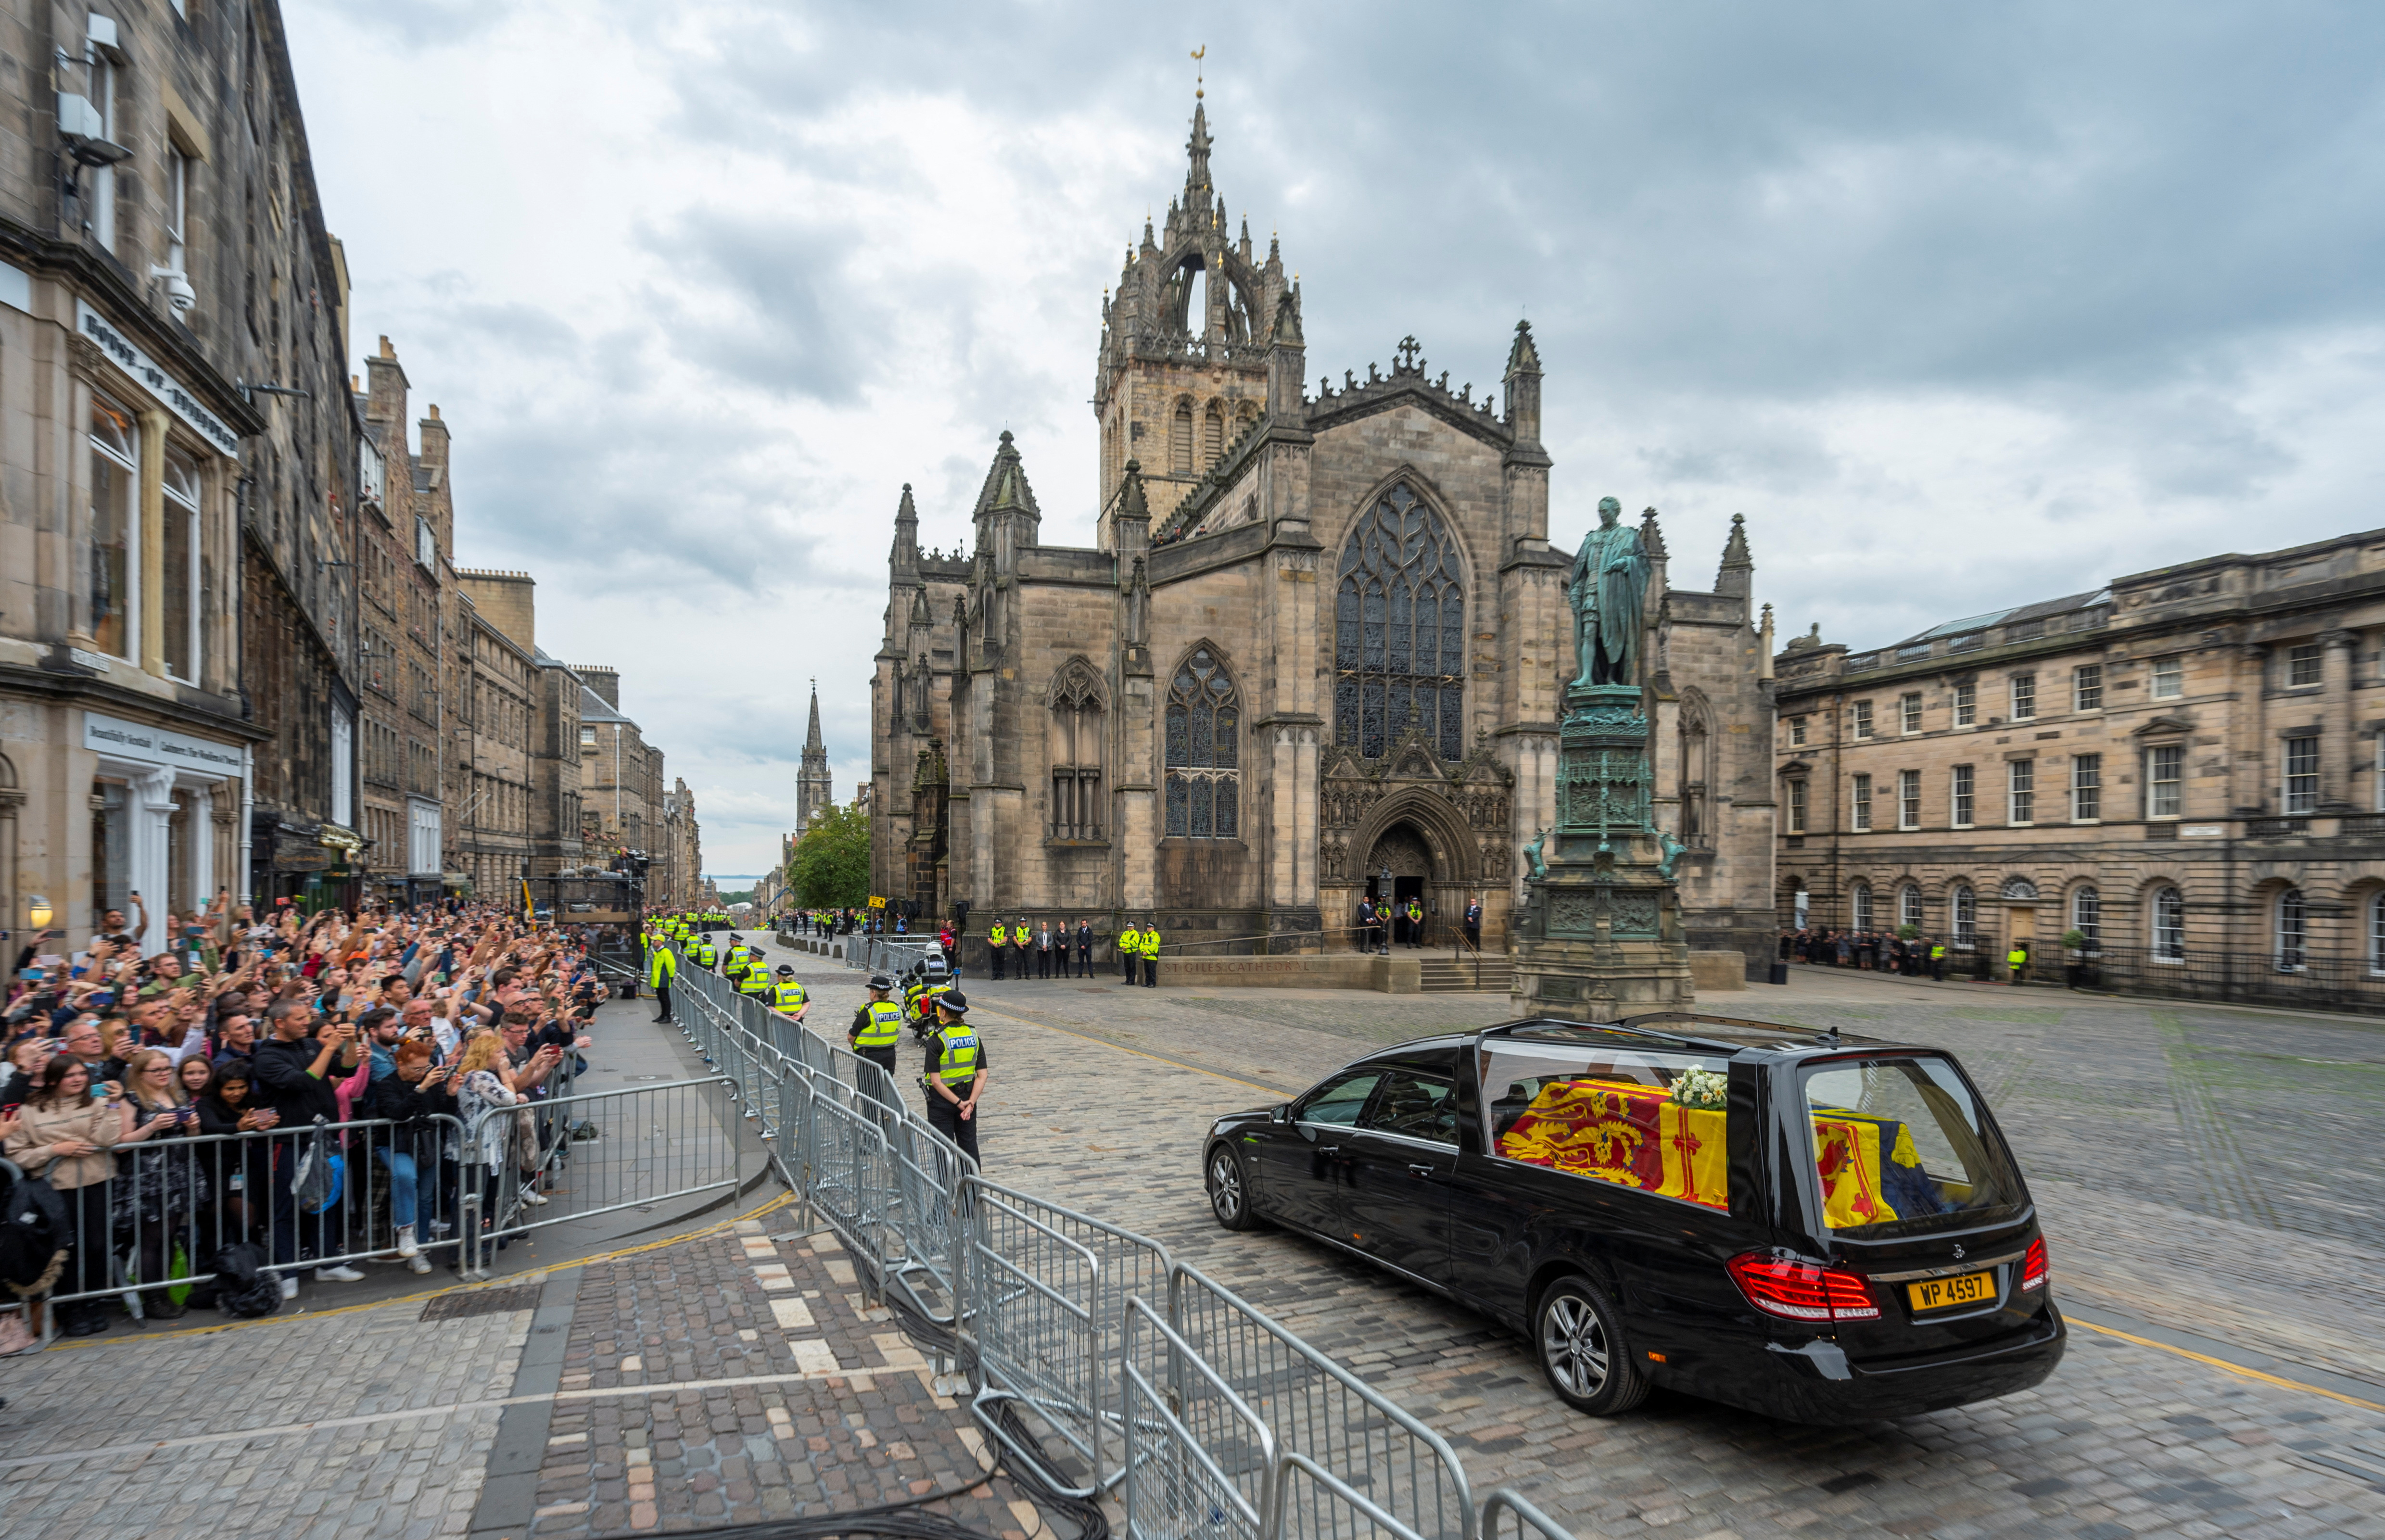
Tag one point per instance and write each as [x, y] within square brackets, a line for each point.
[921, 983]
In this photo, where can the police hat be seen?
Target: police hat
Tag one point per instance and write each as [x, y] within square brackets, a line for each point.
[787, 969]
[954, 1002]
[880, 981]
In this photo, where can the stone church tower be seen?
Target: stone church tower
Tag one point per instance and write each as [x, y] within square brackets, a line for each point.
[813, 792]
[1318, 650]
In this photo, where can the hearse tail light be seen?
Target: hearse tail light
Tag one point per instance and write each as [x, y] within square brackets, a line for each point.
[2034, 1268]
[1801, 1291]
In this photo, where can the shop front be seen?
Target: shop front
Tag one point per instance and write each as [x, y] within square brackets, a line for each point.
[165, 811]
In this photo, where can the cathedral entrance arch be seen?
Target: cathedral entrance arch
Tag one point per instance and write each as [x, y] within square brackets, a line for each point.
[1401, 852]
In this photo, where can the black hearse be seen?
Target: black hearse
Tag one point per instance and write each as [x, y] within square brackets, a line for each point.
[1818, 1228]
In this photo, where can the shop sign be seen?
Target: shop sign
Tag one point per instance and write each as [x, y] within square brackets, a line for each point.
[146, 373]
[119, 738]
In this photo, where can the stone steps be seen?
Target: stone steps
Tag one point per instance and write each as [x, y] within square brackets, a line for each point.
[1441, 975]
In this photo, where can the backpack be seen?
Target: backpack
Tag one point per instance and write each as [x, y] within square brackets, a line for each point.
[243, 1287]
[34, 1226]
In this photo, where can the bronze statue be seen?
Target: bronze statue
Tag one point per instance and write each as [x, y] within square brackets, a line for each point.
[1535, 868]
[1606, 588]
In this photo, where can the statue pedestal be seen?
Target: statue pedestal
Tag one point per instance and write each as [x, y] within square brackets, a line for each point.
[1599, 937]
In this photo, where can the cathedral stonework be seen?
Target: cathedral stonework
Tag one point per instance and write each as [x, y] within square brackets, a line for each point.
[1318, 650]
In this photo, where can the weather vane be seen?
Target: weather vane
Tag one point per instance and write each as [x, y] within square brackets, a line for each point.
[1198, 55]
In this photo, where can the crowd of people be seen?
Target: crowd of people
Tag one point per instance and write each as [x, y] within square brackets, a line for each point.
[321, 1091]
[1916, 956]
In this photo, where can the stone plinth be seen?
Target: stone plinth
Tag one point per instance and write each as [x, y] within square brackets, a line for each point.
[1600, 936]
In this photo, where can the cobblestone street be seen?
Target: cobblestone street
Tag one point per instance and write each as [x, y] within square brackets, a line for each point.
[2149, 1132]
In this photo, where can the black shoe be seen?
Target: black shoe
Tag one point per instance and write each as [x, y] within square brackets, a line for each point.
[162, 1309]
[87, 1326]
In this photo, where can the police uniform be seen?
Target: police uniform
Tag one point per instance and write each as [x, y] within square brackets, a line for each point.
[1129, 946]
[704, 955]
[878, 1026]
[956, 1062]
[1150, 949]
[662, 966]
[755, 980]
[787, 997]
[997, 943]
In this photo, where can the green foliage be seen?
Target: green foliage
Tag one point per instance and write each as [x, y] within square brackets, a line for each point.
[831, 867]
[1908, 933]
[744, 895]
[2075, 939]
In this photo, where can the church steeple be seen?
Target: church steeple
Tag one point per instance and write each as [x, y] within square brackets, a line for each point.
[814, 791]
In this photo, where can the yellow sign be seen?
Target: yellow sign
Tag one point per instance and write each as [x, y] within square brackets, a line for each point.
[877, 903]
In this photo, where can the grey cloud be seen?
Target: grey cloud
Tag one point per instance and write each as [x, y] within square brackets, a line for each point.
[799, 323]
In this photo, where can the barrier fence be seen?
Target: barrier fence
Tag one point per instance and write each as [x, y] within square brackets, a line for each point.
[337, 1193]
[1097, 1359]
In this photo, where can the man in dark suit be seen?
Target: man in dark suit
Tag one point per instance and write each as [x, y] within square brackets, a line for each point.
[1084, 948]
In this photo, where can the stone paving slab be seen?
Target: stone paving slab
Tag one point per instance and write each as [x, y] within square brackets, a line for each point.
[800, 1399]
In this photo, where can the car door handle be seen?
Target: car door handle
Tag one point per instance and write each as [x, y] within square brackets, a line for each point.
[1328, 1150]
[1424, 1171]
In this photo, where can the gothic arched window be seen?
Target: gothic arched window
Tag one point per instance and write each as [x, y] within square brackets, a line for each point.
[1204, 722]
[1076, 750]
[1213, 435]
[1399, 644]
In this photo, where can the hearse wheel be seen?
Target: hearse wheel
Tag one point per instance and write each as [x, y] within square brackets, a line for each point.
[1577, 1335]
[1229, 1195]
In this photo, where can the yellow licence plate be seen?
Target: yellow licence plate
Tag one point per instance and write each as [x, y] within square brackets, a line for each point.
[1936, 1294]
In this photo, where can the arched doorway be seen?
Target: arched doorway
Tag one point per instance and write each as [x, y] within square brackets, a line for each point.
[1403, 852]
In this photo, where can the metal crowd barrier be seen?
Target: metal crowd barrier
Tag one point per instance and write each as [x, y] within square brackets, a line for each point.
[604, 1150]
[175, 1203]
[1126, 1371]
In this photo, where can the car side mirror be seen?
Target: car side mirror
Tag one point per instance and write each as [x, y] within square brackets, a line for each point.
[1282, 1113]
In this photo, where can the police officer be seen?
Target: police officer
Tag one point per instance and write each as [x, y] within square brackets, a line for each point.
[662, 966]
[1938, 959]
[1129, 946]
[786, 997]
[740, 958]
[755, 979]
[1149, 947]
[2018, 960]
[997, 944]
[957, 1074]
[1021, 940]
[878, 1026]
[706, 956]
[1416, 925]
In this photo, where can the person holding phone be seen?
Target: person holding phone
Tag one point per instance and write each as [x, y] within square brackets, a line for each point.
[67, 1136]
[154, 1199]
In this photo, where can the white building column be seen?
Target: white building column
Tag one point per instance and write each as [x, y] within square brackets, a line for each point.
[150, 817]
[199, 824]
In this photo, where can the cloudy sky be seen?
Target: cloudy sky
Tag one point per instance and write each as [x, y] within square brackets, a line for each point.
[1962, 307]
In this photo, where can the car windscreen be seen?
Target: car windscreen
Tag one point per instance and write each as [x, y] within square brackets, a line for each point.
[1646, 1118]
[1900, 1147]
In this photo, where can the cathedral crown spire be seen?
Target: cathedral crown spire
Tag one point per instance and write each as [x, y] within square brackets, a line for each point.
[1196, 176]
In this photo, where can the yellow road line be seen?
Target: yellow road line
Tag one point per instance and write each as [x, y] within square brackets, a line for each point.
[2231, 1368]
[534, 1275]
[1089, 1037]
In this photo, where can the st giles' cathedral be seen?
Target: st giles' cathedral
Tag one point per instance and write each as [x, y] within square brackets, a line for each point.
[1317, 652]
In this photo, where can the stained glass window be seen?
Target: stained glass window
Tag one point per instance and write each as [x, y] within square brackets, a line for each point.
[1204, 754]
[1399, 634]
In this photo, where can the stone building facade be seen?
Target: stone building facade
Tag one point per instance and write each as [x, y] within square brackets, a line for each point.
[412, 662]
[176, 471]
[1317, 651]
[2186, 768]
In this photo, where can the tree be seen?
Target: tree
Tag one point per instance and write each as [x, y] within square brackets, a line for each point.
[831, 866]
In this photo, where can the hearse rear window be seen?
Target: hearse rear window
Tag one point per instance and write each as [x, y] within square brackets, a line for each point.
[1642, 1118]
[1900, 1146]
